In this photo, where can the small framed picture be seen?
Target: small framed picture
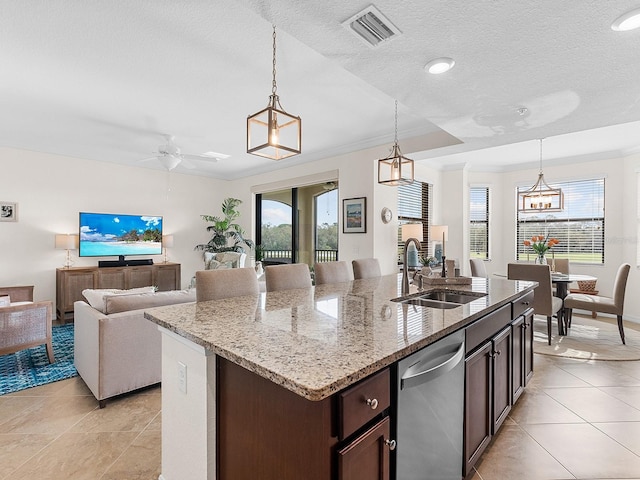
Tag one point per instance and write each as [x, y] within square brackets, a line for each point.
[354, 215]
[8, 212]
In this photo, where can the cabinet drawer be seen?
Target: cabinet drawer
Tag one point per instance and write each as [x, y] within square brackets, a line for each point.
[486, 327]
[356, 404]
[522, 304]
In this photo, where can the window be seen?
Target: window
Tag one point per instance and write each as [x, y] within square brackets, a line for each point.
[579, 227]
[479, 222]
[414, 205]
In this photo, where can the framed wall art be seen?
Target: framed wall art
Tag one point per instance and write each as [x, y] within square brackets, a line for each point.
[354, 215]
[8, 212]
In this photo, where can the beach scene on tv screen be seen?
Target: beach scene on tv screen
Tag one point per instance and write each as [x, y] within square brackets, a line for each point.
[103, 235]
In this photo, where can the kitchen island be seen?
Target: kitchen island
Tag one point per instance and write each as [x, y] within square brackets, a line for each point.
[297, 354]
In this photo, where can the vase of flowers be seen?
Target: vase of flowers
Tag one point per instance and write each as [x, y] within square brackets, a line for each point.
[541, 245]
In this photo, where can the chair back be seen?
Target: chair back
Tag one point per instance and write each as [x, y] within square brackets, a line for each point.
[366, 268]
[332, 272]
[287, 277]
[543, 298]
[477, 267]
[619, 287]
[225, 283]
[18, 294]
[562, 264]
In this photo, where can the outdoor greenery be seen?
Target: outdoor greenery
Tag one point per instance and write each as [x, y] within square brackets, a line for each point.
[278, 237]
[225, 230]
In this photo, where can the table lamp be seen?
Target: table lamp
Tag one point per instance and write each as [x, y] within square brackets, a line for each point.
[441, 232]
[167, 242]
[67, 242]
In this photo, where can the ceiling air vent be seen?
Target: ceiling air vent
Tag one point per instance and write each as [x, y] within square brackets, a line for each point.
[371, 26]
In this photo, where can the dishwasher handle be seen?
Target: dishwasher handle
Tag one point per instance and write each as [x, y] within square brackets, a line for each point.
[412, 378]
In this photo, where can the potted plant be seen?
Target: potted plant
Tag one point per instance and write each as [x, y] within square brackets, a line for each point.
[224, 229]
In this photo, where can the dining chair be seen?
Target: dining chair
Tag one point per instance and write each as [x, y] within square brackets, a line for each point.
[478, 268]
[332, 272]
[544, 303]
[287, 276]
[225, 283]
[366, 268]
[562, 264]
[613, 305]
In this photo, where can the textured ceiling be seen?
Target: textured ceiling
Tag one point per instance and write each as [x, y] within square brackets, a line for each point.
[107, 80]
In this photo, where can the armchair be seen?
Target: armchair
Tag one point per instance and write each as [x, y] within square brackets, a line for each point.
[26, 325]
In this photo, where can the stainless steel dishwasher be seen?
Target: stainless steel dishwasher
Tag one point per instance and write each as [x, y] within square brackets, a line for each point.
[430, 412]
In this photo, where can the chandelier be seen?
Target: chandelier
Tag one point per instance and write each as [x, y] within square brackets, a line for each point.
[541, 197]
[272, 132]
[396, 169]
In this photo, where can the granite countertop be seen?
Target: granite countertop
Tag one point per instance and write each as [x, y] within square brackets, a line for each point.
[317, 341]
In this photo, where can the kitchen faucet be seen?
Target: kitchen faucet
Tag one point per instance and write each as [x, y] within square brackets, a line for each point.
[405, 266]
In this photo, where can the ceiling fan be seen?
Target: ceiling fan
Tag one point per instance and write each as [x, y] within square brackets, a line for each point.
[170, 156]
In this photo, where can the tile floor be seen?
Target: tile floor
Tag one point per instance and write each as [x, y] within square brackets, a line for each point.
[576, 419]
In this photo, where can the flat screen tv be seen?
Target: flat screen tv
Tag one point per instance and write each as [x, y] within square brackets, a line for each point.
[109, 234]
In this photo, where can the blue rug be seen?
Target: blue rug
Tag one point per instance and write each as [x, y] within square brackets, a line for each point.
[30, 368]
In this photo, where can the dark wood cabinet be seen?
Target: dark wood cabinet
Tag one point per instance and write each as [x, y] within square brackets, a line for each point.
[501, 369]
[367, 457]
[265, 428]
[522, 353]
[496, 372]
[477, 411]
[70, 282]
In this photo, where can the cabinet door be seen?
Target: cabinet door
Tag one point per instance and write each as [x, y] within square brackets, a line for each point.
[112, 277]
[517, 358]
[168, 277]
[139, 277]
[528, 346]
[366, 457]
[501, 355]
[477, 405]
[69, 285]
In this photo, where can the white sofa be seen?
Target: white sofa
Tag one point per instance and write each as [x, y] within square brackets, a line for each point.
[119, 350]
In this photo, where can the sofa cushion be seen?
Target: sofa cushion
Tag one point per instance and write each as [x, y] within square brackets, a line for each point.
[124, 303]
[96, 297]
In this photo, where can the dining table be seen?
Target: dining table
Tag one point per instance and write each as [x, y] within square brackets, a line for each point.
[561, 281]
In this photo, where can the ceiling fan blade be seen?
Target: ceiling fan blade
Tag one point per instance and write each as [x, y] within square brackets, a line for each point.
[205, 158]
[148, 159]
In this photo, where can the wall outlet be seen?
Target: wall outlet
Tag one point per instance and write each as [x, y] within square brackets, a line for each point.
[182, 377]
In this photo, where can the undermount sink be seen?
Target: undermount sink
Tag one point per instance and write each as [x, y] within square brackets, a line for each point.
[443, 299]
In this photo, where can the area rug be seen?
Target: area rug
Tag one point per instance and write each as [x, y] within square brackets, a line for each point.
[30, 368]
[589, 339]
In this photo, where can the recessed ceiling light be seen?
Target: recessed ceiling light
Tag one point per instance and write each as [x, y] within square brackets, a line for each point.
[440, 65]
[628, 21]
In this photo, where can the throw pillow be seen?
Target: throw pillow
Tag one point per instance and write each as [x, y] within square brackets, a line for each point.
[95, 297]
[5, 301]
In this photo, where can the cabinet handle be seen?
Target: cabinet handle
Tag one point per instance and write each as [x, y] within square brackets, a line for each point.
[391, 444]
[373, 403]
[525, 303]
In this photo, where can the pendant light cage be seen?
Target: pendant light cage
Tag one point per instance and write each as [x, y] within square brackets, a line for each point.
[541, 197]
[396, 169]
[272, 132]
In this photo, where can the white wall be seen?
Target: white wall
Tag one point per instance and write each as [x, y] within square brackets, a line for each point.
[51, 190]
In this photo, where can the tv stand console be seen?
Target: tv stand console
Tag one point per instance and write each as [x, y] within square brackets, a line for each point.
[70, 282]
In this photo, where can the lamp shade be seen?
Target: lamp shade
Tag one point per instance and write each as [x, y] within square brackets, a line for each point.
[439, 233]
[167, 241]
[411, 230]
[66, 241]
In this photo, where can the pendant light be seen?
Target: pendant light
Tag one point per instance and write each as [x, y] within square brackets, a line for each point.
[395, 169]
[541, 197]
[272, 132]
